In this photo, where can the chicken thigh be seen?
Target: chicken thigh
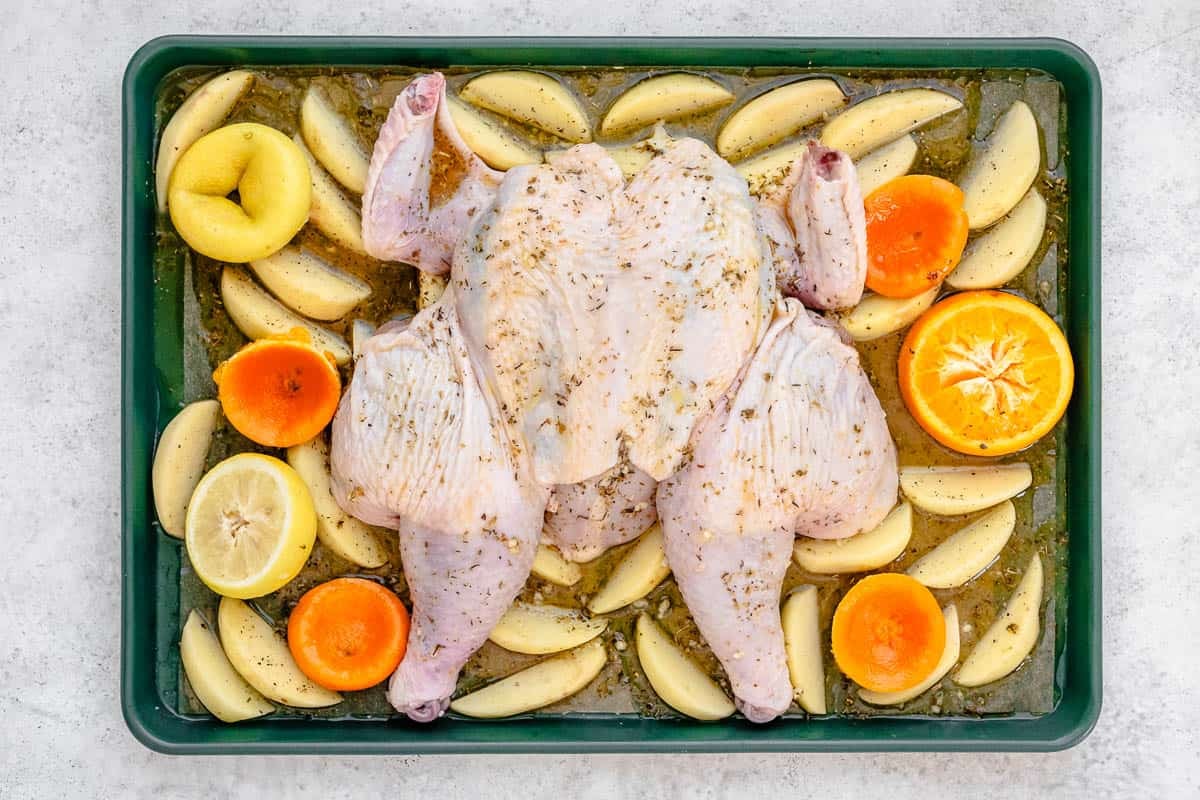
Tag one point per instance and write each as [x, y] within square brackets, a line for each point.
[801, 445]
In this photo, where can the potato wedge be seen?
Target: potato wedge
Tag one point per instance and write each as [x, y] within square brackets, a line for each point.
[308, 285]
[538, 630]
[968, 552]
[430, 288]
[332, 141]
[262, 657]
[549, 565]
[865, 551]
[676, 678]
[663, 97]
[776, 114]
[877, 316]
[1005, 249]
[348, 537]
[949, 658]
[488, 140]
[1011, 637]
[888, 162]
[533, 98]
[950, 491]
[216, 683]
[802, 643]
[259, 315]
[884, 118]
[202, 112]
[546, 682]
[331, 213]
[179, 461]
[640, 569]
[1003, 169]
[360, 331]
[764, 171]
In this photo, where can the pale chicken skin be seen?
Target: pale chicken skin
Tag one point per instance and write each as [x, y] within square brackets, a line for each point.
[584, 519]
[801, 446]
[415, 448]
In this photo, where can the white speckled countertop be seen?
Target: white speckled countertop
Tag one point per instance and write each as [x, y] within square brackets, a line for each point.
[61, 733]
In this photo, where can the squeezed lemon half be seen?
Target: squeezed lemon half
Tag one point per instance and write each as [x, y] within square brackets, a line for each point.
[250, 526]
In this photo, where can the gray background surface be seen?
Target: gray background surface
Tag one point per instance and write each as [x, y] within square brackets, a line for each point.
[61, 733]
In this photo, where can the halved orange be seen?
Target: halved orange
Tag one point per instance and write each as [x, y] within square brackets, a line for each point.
[986, 373]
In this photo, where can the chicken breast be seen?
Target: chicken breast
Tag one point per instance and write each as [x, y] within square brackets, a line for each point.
[801, 445]
[584, 519]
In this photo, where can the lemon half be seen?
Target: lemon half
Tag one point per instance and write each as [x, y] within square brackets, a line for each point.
[250, 526]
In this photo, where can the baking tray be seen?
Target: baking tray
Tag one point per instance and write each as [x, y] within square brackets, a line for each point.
[151, 560]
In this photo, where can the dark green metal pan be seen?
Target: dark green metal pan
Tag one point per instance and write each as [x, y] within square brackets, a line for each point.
[151, 562]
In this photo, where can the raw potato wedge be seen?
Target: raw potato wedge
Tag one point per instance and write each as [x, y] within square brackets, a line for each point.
[949, 658]
[360, 331]
[676, 678]
[308, 285]
[216, 683]
[331, 213]
[887, 163]
[348, 537]
[179, 461]
[950, 491]
[643, 567]
[533, 98]
[495, 145]
[802, 643]
[884, 118]
[876, 316]
[776, 114]
[546, 682]
[259, 315]
[965, 554]
[549, 565]
[1011, 637]
[262, 657]
[664, 97]
[332, 141]
[1000, 173]
[764, 171]
[1003, 252]
[430, 288]
[538, 630]
[860, 553]
[202, 112]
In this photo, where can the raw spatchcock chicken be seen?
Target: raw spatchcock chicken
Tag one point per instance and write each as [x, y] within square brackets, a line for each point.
[607, 352]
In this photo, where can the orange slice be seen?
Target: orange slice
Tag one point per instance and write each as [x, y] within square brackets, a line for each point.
[986, 373]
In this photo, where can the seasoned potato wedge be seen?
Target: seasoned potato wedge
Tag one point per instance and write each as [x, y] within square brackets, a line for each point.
[259, 315]
[968, 552]
[876, 316]
[676, 678]
[533, 98]
[202, 112]
[331, 213]
[488, 140]
[1011, 637]
[950, 491]
[216, 683]
[332, 141]
[348, 537]
[546, 682]
[860, 553]
[887, 163]
[1004, 250]
[663, 97]
[640, 569]
[262, 657]
[766, 170]
[776, 114]
[884, 118]
[802, 643]
[549, 565]
[537, 630]
[1003, 169]
[430, 288]
[308, 285]
[949, 658]
[179, 461]
[360, 331]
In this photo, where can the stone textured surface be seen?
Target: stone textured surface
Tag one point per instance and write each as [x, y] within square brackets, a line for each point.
[61, 732]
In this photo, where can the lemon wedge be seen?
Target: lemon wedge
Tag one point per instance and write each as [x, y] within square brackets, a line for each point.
[250, 526]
